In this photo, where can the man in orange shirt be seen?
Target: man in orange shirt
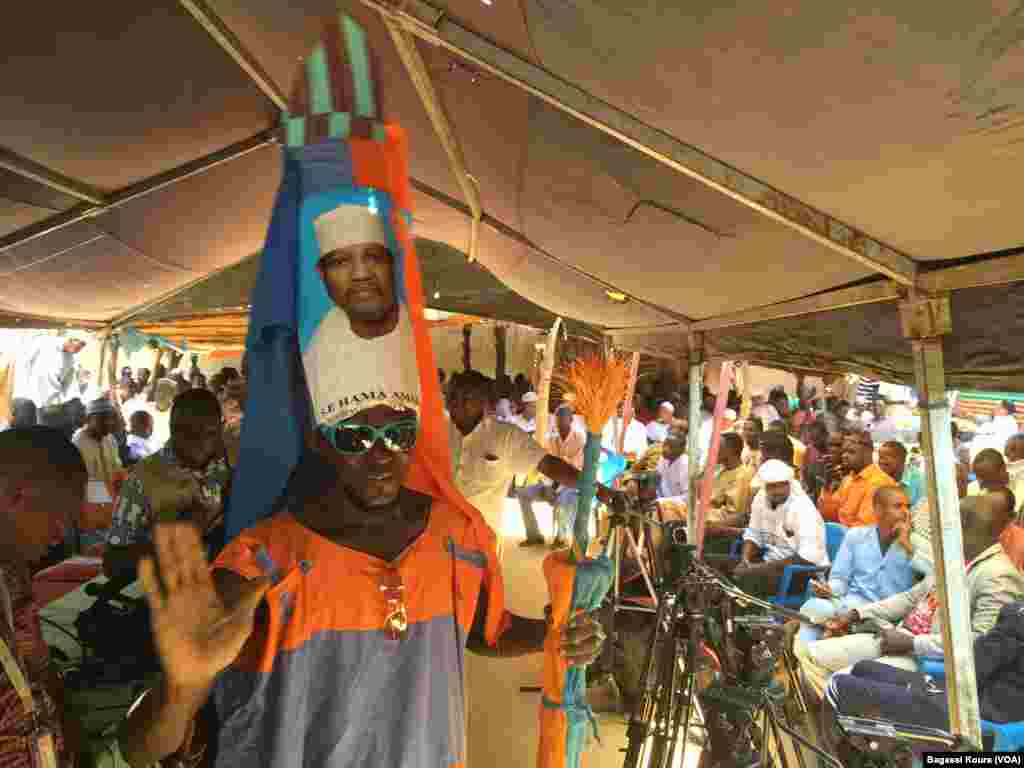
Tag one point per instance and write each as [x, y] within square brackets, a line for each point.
[850, 503]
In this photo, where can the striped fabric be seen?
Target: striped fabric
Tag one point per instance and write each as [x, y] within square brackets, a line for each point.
[321, 683]
[335, 97]
[26, 642]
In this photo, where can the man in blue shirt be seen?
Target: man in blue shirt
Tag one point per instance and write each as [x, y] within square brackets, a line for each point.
[871, 565]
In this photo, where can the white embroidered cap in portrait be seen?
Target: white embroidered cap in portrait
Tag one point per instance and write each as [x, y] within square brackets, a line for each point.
[349, 225]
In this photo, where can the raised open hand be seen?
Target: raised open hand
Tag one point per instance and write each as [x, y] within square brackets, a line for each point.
[196, 634]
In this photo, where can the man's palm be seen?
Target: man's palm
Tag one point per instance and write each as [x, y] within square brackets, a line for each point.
[196, 634]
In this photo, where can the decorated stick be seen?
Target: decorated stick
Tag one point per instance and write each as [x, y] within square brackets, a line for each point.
[627, 406]
[547, 367]
[599, 386]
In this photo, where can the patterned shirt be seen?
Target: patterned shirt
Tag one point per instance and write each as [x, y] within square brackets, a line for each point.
[26, 643]
[136, 511]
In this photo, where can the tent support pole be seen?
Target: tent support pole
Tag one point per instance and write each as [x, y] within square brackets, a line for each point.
[693, 437]
[149, 186]
[232, 46]
[405, 44]
[432, 24]
[925, 322]
[500, 350]
[29, 169]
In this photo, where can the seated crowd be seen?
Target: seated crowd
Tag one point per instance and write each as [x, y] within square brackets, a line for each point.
[782, 475]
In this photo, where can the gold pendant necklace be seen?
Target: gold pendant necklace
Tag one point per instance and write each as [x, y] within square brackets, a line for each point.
[397, 620]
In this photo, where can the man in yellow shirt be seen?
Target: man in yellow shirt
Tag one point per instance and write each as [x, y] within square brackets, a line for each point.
[851, 502]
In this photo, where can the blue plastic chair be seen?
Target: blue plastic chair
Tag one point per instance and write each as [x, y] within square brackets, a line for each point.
[610, 467]
[1009, 737]
[834, 535]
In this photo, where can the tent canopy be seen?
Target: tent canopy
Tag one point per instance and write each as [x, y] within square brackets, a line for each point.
[827, 144]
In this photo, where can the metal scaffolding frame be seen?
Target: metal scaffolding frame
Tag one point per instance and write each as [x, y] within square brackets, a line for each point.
[40, 174]
[433, 25]
[136, 191]
[926, 317]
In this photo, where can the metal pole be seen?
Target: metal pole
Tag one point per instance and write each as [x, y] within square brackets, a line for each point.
[143, 188]
[30, 169]
[233, 47]
[431, 23]
[693, 442]
[925, 321]
[405, 44]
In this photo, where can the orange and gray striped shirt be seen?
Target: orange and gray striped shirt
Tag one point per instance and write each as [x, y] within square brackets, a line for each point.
[323, 683]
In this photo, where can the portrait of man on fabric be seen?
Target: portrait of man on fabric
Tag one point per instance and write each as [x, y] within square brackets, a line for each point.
[354, 327]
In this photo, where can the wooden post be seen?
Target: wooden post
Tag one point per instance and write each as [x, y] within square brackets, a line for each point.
[627, 404]
[693, 443]
[467, 348]
[925, 321]
[544, 375]
[115, 346]
[102, 376]
[500, 350]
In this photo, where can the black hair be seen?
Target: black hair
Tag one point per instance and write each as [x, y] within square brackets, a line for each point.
[896, 445]
[990, 456]
[140, 417]
[201, 401]
[862, 436]
[1010, 406]
[734, 441]
[229, 373]
[471, 383]
[779, 426]
[776, 445]
[37, 448]
[23, 412]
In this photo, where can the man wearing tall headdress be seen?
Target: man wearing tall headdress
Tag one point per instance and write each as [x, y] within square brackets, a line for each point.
[332, 630]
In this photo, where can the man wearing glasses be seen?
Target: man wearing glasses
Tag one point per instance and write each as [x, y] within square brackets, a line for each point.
[851, 500]
[333, 633]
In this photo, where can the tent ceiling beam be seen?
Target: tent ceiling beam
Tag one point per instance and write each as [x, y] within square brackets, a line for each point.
[233, 47]
[405, 44]
[996, 271]
[615, 333]
[810, 305]
[141, 189]
[20, 319]
[40, 174]
[414, 63]
[432, 24]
